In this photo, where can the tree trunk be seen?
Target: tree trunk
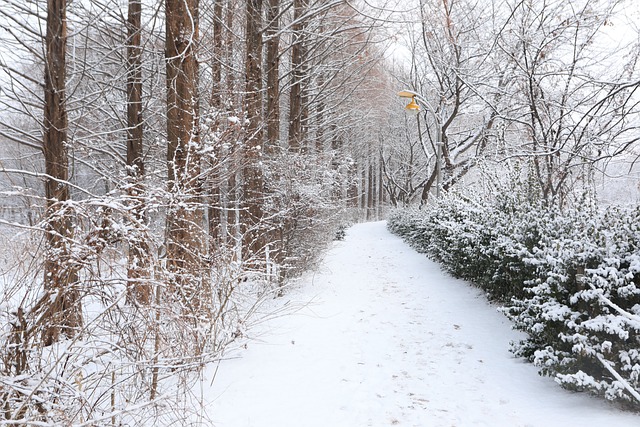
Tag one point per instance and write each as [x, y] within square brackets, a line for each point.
[185, 218]
[215, 208]
[296, 102]
[252, 212]
[234, 197]
[216, 64]
[273, 75]
[380, 204]
[370, 192]
[229, 49]
[138, 260]
[60, 277]
[363, 189]
[320, 116]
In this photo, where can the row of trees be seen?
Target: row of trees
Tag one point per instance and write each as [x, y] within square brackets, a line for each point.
[180, 158]
[553, 84]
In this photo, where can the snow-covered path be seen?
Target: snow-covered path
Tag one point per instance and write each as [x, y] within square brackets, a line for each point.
[388, 339]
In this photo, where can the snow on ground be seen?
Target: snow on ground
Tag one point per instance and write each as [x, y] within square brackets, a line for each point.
[389, 339]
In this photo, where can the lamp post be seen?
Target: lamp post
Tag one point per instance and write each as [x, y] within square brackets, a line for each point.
[414, 108]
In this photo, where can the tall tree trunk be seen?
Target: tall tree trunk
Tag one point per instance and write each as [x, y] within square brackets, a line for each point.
[229, 49]
[275, 237]
[185, 219]
[370, 192]
[253, 71]
[306, 145]
[60, 277]
[252, 214]
[363, 189]
[353, 188]
[320, 125]
[139, 289]
[273, 75]
[234, 198]
[296, 101]
[215, 208]
[216, 64]
[380, 204]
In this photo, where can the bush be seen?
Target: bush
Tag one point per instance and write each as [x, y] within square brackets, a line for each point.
[569, 279]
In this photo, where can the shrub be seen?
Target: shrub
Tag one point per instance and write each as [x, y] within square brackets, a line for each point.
[569, 279]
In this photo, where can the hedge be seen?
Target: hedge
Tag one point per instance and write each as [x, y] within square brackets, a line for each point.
[569, 279]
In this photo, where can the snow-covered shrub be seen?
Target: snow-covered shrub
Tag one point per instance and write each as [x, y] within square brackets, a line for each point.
[569, 279]
[470, 242]
[128, 361]
[302, 213]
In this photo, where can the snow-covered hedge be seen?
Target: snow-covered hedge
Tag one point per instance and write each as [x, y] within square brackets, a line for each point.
[569, 278]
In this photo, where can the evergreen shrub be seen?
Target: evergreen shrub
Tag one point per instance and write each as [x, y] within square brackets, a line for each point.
[568, 278]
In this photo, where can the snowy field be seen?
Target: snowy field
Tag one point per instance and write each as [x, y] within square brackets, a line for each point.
[382, 337]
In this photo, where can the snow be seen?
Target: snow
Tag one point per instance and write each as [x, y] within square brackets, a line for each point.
[381, 336]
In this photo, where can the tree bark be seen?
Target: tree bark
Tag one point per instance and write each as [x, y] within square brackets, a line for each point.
[296, 102]
[229, 49]
[252, 213]
[216, 64]
[273, 75]
[370, 192]
[60, 277]
[139, 290]
[234, 198]
[185, 217]
[215, 208]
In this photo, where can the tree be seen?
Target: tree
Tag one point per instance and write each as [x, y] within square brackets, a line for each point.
[217, 62]
[459, 94]
[186, 243]
[572, 98]
[297, 98]
[252, 214]
[137, 271]
[273, 75]
[60, 278]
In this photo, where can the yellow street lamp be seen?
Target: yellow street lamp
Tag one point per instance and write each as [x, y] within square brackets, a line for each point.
[414, 108]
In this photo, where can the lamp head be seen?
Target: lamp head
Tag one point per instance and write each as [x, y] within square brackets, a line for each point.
[412, 107]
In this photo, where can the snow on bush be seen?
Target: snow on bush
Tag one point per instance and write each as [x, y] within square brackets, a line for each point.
[568, 278]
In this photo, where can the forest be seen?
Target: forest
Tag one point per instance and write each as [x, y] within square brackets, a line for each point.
[167, 167]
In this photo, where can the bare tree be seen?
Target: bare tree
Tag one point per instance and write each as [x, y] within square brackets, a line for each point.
[186, 243]
[273, 74]
[60, 277]
[137, 272]
[297, 101]
[459, 80]
[252, 214]
[572, 109]
[217, 62]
